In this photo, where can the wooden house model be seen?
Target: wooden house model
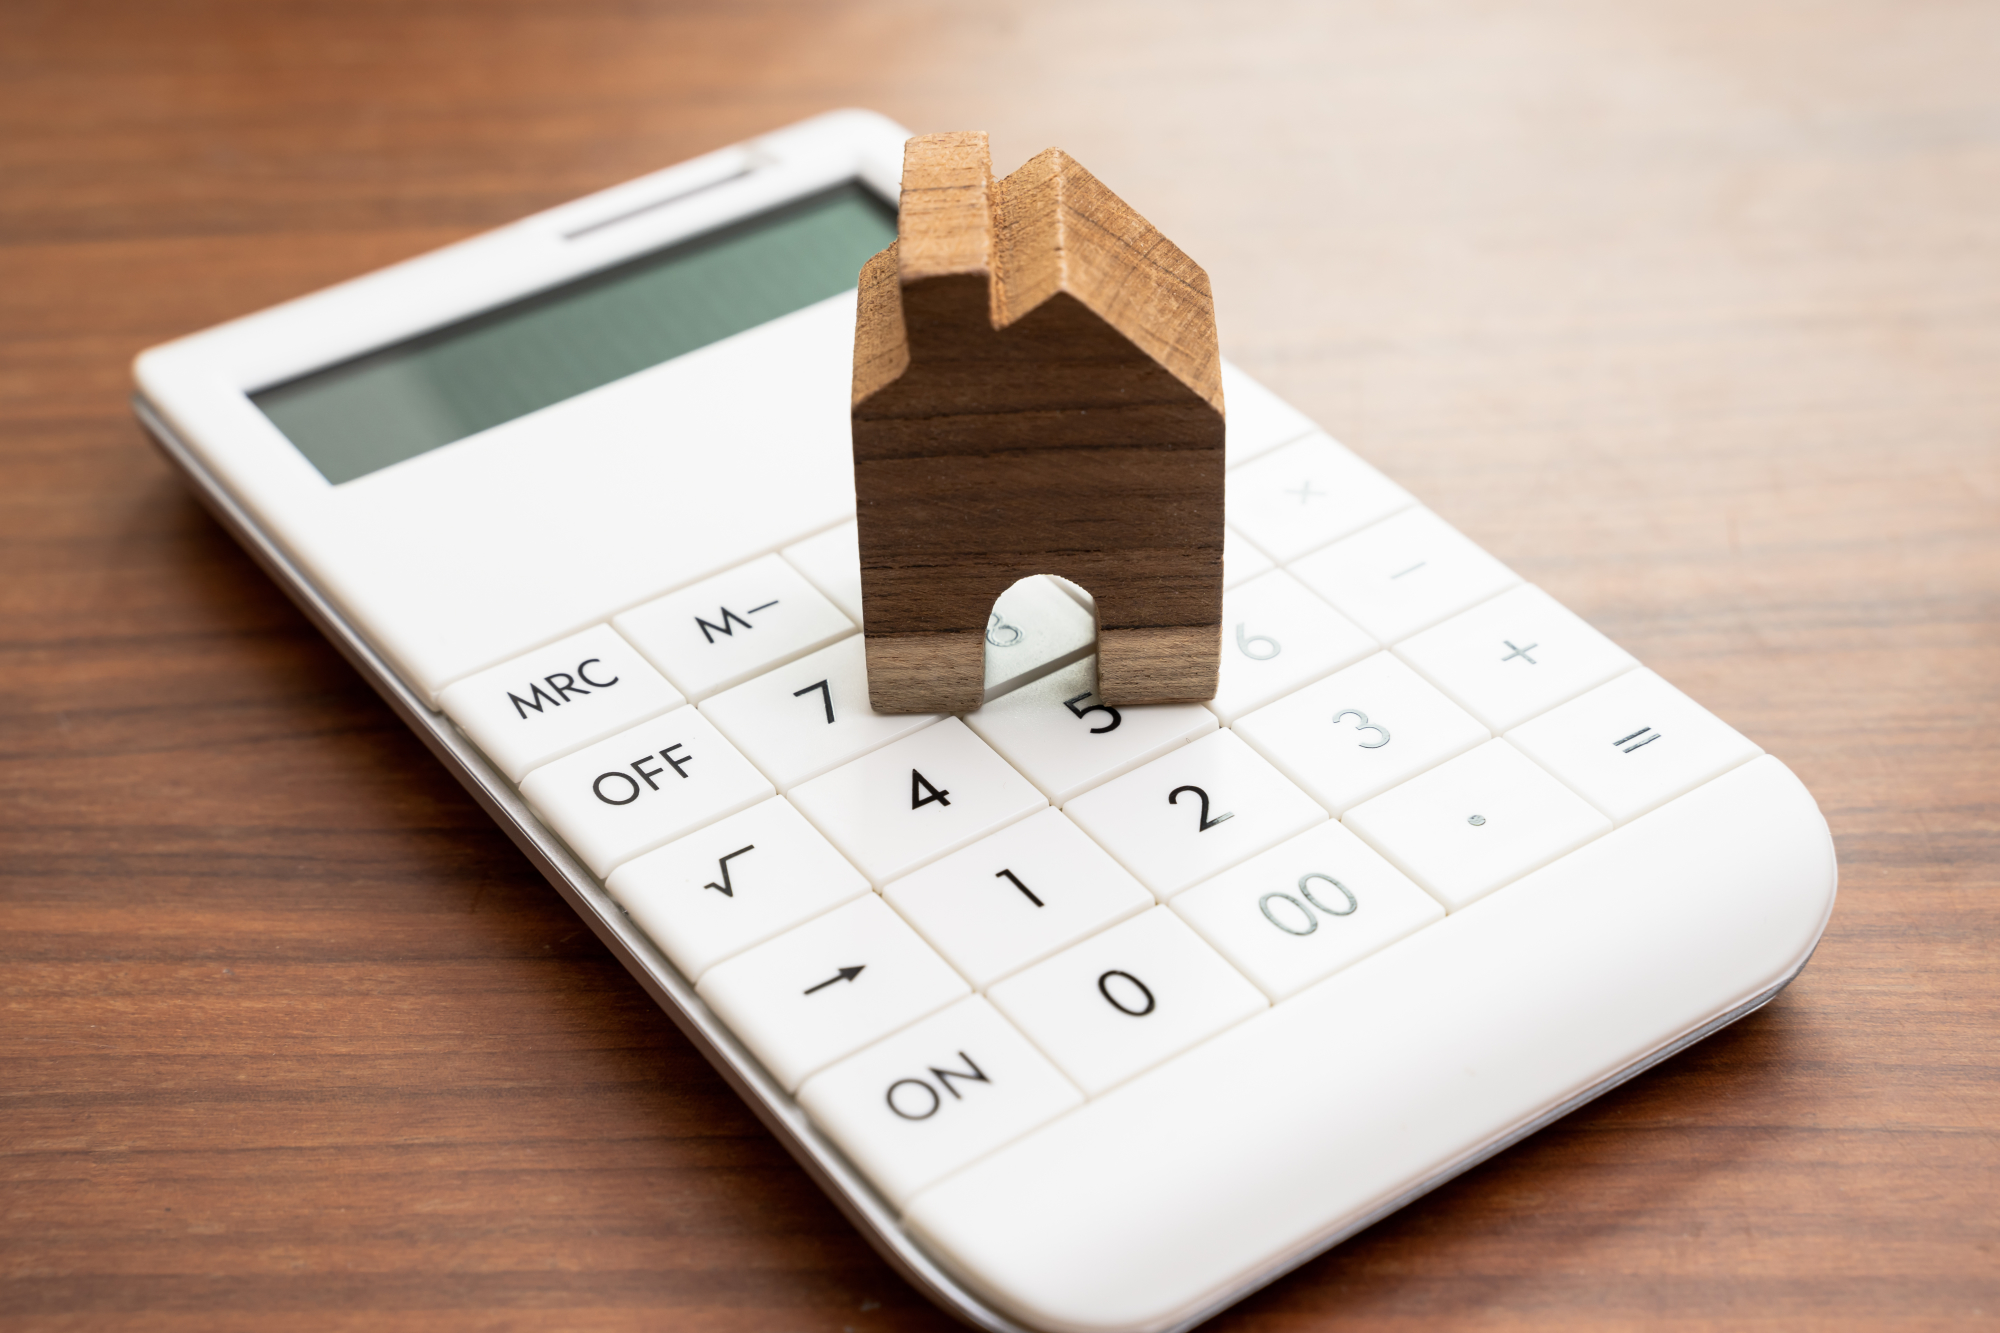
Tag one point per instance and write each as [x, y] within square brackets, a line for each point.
[1037, 390]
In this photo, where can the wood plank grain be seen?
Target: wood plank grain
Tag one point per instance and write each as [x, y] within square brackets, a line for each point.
[1688, 311]
[1037, 390]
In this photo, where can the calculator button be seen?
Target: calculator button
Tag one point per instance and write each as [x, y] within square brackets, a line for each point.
[1633, 744]
[626, 795]
[557, 699]
[1305, 909]
[1126, 999]
[1033, 625]
[738, 882]
[725, 630]
[916, 1106]
[1067, 740]
[1194, 812]
[1404, 574]
[913, 801]
[1276, 636]
[1520, 654]
[1310, 492]
[1077, 592]
[1016, 896]
[1256, 420]
[1361, 731]
[832, 560]
[829, 987]
[1241, 560]
[808, 716]
[1302, 1122]
[1475, 823]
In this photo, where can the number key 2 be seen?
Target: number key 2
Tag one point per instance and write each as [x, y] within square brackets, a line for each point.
[1194, 812]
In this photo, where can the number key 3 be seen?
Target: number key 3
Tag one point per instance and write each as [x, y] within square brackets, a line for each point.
[1361, 723]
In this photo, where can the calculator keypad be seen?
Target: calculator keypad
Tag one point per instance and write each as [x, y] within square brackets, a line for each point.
[736, 883]
[1194, 812]
[1476, 822]
[829, 987]
[832, 560]
[724, 630]
[557, 699]
[809, 716]
[1241, 560]
[909, 803]
[1067, 740]
[1126, 999]
[1306, 908]
[948, 932]
[1308, 493]
[1033, 625]
[1404, 574]
[1259, 421]
[1633, 744]
[1361, 731]
[626, 795]
[1515, 656]
[1017, 896]
[1276, 636]
[939, 1094]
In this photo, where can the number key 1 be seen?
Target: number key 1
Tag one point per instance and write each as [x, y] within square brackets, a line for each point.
[1017, 896]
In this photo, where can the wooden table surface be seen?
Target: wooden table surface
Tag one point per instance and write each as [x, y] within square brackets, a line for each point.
[1691, 311]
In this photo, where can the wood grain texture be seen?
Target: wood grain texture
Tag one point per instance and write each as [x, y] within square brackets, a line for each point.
[1037, 390]
[1688, 310]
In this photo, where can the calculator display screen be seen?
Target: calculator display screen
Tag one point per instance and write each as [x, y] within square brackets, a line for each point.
[401, 401]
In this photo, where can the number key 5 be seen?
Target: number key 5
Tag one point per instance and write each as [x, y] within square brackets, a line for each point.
[1058, 731]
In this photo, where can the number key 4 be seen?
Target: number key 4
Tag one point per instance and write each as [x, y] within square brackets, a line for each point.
[907, 804]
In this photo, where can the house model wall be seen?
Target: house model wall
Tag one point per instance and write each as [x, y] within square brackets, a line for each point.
[1037, 390]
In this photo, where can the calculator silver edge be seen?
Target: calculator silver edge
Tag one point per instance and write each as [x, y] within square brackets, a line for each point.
[848, 1188]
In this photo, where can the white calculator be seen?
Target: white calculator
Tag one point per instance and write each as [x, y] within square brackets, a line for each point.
[1091, 1018]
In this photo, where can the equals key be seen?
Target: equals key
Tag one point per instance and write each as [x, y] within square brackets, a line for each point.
[1643, 736]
